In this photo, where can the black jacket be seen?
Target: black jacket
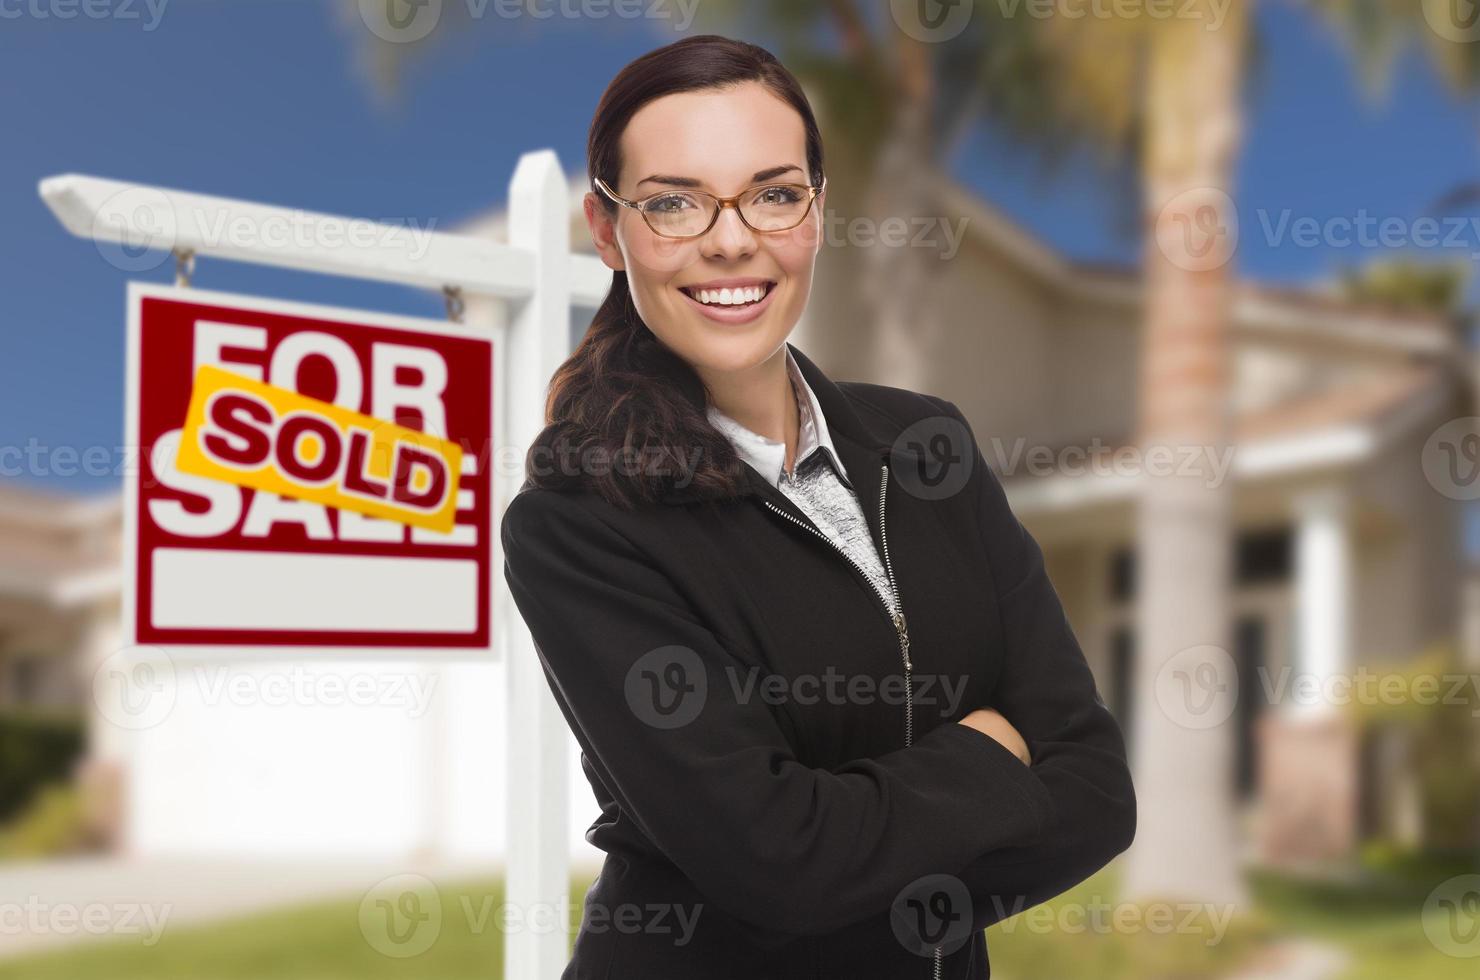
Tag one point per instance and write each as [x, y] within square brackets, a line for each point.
[736, 689]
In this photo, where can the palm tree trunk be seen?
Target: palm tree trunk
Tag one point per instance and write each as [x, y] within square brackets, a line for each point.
[907, 339]
[1186, 845]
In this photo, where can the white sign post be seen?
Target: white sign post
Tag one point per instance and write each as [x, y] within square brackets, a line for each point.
[535, 280]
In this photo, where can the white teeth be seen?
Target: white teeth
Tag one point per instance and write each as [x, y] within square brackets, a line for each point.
[731, 297]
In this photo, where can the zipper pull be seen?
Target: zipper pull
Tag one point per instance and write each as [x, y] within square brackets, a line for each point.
[902, 628]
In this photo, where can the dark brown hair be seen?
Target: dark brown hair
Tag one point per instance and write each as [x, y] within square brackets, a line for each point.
[621, 395]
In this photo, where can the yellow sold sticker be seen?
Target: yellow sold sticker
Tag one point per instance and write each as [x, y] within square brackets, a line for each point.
[259, 435]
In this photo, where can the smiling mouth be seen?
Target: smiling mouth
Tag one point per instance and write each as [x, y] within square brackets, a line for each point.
[729, 298]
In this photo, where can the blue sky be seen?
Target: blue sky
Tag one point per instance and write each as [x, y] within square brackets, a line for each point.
[263, 100]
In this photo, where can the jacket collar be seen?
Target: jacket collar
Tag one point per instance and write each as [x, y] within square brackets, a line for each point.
[767, 455]
[861, 449]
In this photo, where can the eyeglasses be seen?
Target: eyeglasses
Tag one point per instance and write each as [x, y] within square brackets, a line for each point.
[689, 214]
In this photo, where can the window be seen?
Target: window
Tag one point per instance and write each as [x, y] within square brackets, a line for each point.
[1263, 556]
[25, 680]
[1250, 648]
[1122, 574]
[1122, 678]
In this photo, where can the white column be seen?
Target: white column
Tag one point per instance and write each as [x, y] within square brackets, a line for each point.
[537, 854]
[100, 637]
[1323, 593]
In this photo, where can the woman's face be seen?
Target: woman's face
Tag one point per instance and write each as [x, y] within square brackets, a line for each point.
[720, 141]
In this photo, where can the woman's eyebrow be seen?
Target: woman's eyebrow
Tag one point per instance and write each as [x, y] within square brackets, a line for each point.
[758, 176]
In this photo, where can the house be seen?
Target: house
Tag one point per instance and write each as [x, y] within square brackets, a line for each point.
[60, 582]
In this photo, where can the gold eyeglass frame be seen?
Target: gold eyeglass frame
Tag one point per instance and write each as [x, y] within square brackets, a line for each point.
[721, 202]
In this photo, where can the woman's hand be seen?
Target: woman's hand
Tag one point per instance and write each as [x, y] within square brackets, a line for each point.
[989, 721]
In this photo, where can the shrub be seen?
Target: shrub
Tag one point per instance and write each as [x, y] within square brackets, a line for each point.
[36, 749]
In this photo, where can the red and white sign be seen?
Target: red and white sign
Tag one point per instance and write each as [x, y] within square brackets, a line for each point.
[212, 561]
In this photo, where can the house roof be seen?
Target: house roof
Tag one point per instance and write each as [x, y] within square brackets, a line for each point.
[59, 548]
[1344, 425]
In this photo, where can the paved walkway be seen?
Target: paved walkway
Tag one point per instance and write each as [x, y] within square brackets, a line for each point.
[1296, 959]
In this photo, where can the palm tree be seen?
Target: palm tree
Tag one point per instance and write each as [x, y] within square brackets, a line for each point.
[1176, 87]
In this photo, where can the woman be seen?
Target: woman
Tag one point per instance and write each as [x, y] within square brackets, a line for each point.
[825, 693]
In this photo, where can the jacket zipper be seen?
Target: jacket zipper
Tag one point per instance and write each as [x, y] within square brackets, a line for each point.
[901, 628]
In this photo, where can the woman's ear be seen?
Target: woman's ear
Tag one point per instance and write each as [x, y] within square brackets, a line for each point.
[603, 227]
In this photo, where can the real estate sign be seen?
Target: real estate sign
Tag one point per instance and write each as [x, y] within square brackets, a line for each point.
[306, 476]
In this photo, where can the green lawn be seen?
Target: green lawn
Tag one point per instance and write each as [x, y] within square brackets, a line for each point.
[1381, 924]
[323, 941]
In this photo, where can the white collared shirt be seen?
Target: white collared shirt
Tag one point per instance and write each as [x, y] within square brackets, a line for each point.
[822, 491]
